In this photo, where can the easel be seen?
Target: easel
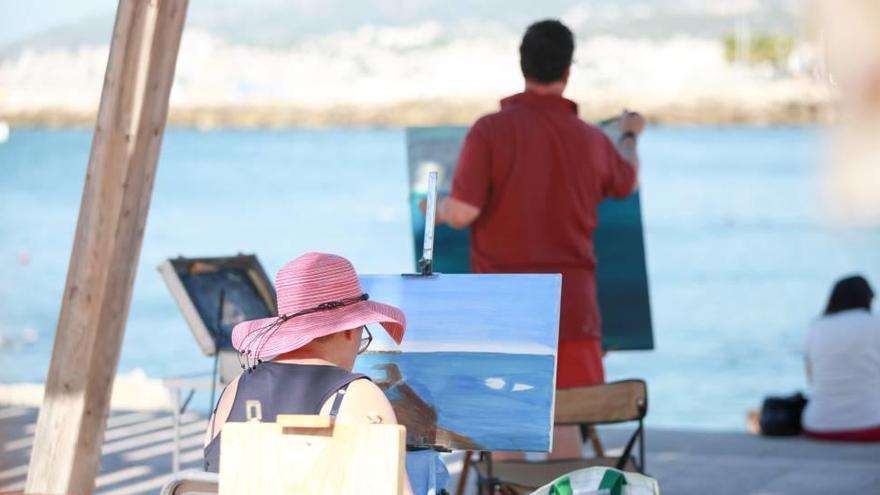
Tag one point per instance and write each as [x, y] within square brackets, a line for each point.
[310, 454]
[426, 263]
[426, 266]
[208, 329]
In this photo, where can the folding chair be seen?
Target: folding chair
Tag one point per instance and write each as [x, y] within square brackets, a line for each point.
[192, 483]
[616, 402]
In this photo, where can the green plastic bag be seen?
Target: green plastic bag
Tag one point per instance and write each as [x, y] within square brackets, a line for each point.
[600, 481]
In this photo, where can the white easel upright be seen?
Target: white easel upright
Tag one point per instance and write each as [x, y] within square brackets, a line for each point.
[426, 264]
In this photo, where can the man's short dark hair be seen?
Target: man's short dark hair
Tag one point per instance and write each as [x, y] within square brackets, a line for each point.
[546, 51]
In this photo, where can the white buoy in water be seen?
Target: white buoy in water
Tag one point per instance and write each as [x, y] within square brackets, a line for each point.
[4, 131]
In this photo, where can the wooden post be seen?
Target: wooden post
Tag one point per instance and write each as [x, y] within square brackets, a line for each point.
[115, 201]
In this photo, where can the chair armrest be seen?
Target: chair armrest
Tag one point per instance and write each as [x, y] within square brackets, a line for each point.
[192, 482]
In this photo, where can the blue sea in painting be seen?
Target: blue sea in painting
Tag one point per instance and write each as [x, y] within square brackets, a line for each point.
[500, 401]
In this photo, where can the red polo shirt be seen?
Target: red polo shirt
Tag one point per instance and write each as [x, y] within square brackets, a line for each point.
[538, 172]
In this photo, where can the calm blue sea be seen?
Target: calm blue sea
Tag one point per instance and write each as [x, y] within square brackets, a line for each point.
[740, 257]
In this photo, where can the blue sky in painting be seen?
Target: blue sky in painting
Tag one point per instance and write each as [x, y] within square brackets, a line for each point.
[488, 313]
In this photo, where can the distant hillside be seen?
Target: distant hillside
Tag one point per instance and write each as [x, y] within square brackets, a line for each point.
[290, 22]
[384, 62]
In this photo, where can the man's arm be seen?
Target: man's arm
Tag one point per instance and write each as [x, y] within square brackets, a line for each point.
[455, 213]
[472, 180]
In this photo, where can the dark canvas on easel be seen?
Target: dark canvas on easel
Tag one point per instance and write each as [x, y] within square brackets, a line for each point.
[215, 294]
[622, 276]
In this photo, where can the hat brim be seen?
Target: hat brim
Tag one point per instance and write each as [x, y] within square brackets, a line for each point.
[259, 339]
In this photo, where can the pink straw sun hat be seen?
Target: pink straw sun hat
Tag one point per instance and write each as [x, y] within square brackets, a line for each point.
[318, 294]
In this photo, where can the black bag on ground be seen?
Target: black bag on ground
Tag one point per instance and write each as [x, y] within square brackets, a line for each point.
[781, 416]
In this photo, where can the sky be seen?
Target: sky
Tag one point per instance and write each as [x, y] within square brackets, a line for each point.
[22, 19]
[510, 313]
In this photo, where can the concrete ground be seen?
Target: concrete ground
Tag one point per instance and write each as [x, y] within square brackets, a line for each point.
[136, 457]
[693, 462]
[137, 449]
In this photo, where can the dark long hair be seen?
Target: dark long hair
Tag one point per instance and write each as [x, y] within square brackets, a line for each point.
[850, 293]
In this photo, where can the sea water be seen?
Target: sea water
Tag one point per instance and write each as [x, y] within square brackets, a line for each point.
[740, 255]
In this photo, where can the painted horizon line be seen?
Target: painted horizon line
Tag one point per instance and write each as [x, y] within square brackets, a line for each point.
[488, 347]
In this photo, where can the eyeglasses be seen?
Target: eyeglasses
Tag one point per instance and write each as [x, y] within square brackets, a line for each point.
[365, 341]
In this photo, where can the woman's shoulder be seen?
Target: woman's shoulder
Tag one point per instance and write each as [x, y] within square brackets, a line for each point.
[366, 389]
[365, 402]
[847, 318]
[849, 324]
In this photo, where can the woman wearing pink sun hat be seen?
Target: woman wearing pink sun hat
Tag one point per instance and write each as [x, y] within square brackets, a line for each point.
[300, 362]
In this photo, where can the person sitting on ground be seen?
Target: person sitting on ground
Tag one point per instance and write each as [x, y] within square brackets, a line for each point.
[843, 367]
[301, 361]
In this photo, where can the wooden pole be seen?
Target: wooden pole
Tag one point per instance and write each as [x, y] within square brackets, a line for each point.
[115, 201]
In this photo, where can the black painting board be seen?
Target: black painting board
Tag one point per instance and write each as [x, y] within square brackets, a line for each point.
[200, 285]
[622, 276]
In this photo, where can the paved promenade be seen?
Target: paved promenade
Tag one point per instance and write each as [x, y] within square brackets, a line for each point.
[137, 458]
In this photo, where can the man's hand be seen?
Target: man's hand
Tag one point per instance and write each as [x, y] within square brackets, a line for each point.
[631, 125]
[457, 214]
[631, 122]
[423, 207]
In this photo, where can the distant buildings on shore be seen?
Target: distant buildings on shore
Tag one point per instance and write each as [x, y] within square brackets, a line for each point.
[423, 75]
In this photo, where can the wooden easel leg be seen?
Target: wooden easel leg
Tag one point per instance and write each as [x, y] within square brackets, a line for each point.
[113, 212]
[465, 471]
[596, 442]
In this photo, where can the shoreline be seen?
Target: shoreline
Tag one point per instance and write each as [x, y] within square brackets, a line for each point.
[441, 112]
[132, 391]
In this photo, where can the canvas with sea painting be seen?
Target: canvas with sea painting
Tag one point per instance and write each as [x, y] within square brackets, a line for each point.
[476, 369]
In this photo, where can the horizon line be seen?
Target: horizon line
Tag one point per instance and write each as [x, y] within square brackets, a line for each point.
[487, 347]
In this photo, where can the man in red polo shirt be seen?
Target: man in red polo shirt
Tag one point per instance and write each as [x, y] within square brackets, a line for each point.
[528, 182]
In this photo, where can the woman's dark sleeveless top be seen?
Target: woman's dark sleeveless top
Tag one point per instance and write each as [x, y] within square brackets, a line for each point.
[282, 388]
